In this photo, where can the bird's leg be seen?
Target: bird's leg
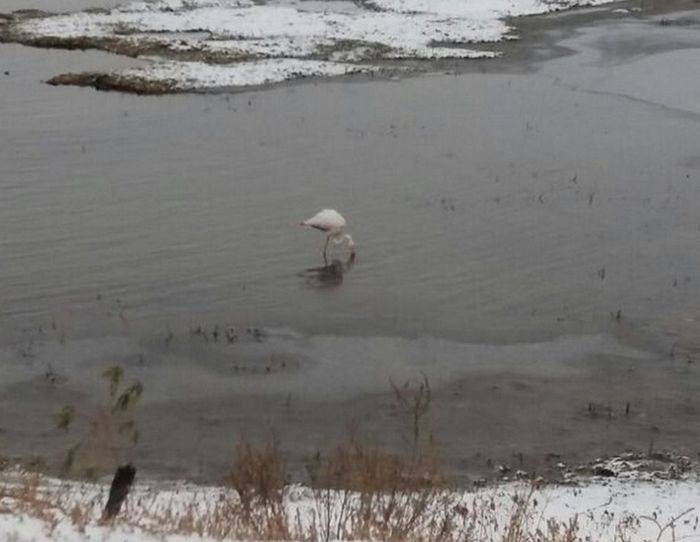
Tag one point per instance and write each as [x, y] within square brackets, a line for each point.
[325, 250]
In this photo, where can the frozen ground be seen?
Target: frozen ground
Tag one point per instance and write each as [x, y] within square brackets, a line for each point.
[603, 509]
[208, 44]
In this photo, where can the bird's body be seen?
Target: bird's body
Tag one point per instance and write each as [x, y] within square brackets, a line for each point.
[326, 221]
[332, 223]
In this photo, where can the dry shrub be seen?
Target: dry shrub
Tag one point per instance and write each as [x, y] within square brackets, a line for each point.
[362, 493]
[414, 404]
[359, 468]
[259, 477]
[525, 523]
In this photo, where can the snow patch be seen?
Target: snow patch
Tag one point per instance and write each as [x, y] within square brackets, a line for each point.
[198, 75]
[327, 33]
[603, 510]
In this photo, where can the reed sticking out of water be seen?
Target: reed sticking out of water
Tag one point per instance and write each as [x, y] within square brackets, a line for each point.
[112, 428]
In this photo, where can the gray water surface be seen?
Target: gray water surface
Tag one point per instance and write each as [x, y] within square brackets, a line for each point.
[484, 206]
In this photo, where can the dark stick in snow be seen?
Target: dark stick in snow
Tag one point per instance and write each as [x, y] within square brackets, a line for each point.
[121, 484]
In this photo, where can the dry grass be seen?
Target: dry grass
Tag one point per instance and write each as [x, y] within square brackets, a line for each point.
[363, 493]
[259, 478]
[290, 513]
[29, 496]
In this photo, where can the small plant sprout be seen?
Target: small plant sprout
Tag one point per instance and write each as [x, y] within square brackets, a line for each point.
[414, 403]
[114, 375]
[65, 417]
[169, 336]
[128, 397]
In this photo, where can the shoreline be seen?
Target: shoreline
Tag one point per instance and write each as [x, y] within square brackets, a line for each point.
[602, 401]
[534, 42]
[204, 66]
[38, 508]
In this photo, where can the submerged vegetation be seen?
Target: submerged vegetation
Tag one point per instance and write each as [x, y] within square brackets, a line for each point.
[112, 429]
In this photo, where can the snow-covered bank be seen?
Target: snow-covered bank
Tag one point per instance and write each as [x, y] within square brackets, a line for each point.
[43, 509]
[235, 37]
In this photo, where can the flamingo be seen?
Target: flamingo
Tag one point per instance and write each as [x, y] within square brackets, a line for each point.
[332, 223]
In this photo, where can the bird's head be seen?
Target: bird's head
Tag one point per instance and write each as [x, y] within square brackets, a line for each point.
[351, 242]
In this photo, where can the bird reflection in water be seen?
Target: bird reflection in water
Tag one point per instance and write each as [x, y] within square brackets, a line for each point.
[330, 275]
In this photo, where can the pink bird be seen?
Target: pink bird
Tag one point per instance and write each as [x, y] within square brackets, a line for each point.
[332, 223]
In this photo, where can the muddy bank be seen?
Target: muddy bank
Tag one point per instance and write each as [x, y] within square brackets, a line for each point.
[488, 425]
[121, 83]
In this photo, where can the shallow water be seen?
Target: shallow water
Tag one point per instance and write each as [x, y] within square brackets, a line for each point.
[485, 206]
[490, 210]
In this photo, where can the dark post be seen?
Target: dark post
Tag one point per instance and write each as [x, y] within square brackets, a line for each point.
[121, 484]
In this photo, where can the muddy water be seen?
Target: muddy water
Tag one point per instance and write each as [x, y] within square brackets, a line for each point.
[542, 223]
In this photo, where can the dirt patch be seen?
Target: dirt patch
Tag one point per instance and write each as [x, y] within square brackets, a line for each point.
[684, 21]
[111, 45]
[365, 50]
[26, 14]
[126, 45]
[637, 466]
[122, 83]
[125, 41]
